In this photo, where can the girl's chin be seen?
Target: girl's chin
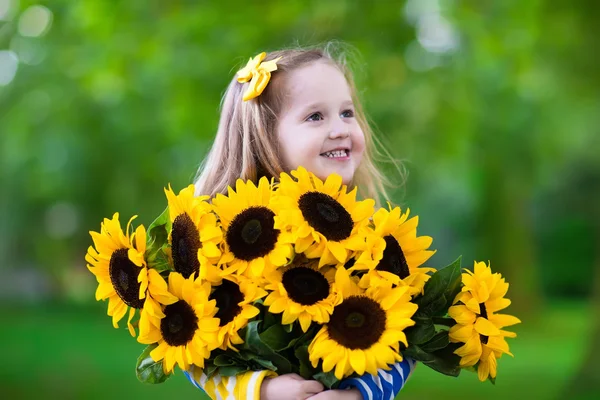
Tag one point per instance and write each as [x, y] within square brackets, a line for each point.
[346, 175]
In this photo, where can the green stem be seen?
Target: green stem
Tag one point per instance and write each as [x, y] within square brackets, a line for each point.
[446, 321]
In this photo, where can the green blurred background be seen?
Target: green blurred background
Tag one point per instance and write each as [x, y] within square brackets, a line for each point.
[493, 105]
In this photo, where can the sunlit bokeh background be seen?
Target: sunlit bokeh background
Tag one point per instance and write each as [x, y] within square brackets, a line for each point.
[494, 106]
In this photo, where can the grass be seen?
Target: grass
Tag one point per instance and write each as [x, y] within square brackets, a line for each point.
[73, 353]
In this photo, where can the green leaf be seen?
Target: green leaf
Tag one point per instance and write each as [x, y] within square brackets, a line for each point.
[268, 319]
[232, 370]
[445, 283]
[245, 355]
[244, 360]
[223, 360]
[275, 337]
[149, 371]
[438, 342]
[445, 361]
[157, 241]
[421, 332]
[159, 261]
[416, 353]
[265, 364]
[158, 231]
[257, 346]
[443, 366]
[328, 379]
[304, 338]
[209, 369]
[433, 307]
[306, 369]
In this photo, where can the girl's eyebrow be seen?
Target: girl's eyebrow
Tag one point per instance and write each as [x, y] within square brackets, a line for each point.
[313, 106]
[317, 105]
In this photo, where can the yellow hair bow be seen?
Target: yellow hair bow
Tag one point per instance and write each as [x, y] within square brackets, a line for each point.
[258, 73]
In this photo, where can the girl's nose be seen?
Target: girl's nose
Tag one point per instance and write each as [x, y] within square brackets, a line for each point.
[339, 130]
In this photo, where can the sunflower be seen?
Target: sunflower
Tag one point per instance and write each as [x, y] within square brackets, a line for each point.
[117, 261]
[252, 244]
[195, 235]
[364, 331]
[394, 252]
[187, 332]
[324, 220]
[303, 292]
[478, 325]
[234, 296]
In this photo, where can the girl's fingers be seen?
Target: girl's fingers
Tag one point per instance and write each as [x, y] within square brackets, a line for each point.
[313, 387]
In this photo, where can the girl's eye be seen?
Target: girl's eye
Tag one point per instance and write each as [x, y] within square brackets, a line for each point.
[315, 117]
[348, 114]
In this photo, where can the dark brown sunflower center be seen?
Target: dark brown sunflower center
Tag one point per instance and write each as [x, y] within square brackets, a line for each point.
[123, 275]
[357, 323]
[484, 339]
[179, 324]
[185, 244]
[228, 297]
[305, 285]
[393, 258]
[326, 215]
[251, 233]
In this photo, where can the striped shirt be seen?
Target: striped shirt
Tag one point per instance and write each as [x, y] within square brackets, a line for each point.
[246, 386]
[384, 386]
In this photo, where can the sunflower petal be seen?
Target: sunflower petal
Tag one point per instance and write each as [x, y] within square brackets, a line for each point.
[338, 250]
[358, 361]
[485, 327]
[502, 320]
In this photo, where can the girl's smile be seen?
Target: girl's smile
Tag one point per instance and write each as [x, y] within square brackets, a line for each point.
[338, 154]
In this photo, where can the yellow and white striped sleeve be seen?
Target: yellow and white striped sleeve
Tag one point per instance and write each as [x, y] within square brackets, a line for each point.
[245, 386]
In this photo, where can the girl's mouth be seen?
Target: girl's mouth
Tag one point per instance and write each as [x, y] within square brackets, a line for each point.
[342, 154]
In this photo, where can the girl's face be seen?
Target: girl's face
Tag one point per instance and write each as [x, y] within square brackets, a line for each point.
[317, 128]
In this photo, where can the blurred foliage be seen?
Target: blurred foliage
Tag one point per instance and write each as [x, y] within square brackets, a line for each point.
[493, 105]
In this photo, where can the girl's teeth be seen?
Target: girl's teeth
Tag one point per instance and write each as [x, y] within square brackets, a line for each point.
[337, 153]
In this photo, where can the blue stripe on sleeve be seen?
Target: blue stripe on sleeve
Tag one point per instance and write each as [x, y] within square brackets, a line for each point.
[385, 385]
[362, 384]
[189, 376]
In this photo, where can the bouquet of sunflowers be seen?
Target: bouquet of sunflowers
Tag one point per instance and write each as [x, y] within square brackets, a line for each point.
[294, 276]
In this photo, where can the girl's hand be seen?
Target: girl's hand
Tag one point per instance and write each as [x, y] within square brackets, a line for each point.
[350, 394]
[289, 387]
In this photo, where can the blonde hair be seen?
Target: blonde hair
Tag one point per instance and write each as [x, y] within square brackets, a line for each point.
[246, 144]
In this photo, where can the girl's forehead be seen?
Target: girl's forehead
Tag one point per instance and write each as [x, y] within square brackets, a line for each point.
[318, 80]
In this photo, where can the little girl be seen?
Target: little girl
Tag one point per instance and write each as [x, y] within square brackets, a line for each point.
[287, 109]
